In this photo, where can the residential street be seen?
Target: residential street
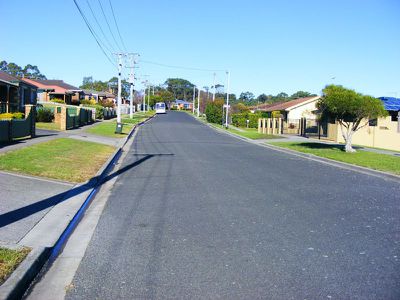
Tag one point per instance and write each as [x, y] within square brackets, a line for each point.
[200, 214]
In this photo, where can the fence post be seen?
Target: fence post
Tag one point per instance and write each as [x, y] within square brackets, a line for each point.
[273, 125]
[263, 125]
[259, 126]
[9, 133]
[279, 125]
[63, 118]
[30, 111]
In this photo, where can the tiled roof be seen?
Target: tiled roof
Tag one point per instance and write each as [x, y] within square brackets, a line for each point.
[285, 105]
[391, 103]
[59, 83]
[7, 77]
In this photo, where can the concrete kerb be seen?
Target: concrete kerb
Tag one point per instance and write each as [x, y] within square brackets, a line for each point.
[19, 281]
[331, 162]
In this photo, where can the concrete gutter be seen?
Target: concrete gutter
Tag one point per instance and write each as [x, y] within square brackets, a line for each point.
[327, 161]
[58, 224]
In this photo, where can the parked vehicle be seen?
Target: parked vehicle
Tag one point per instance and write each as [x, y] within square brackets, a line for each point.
[160, 108]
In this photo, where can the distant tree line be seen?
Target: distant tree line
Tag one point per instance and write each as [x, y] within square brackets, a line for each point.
[249, 98]
[29, 71]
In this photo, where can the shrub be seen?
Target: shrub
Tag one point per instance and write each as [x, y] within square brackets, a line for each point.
[214, 112]
[239, 120]
[58, 100]
[88, 102]
[6, 116]
[18, 115]
[99, 110]
[106, 103]
[44, 115]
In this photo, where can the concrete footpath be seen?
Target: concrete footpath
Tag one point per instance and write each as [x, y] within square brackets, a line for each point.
[35, 212]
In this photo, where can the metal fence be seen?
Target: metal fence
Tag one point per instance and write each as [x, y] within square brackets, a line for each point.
[13, 129]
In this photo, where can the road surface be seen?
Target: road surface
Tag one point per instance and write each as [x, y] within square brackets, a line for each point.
[199, 214]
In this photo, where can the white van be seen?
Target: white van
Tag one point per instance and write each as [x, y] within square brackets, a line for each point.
[160, 108]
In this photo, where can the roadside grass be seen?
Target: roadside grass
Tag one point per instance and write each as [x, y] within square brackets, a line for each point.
[64, 159]
[250, 133]
[108, 128]
[9, 261]
[47, 126]
[376, 161]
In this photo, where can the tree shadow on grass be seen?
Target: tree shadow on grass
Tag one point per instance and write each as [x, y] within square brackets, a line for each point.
[321, 146]
[26, 211]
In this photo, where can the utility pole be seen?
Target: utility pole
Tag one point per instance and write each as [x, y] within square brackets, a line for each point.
[198, 103]
[214, 88]
[119, 101]
[227, 99]
[194, 97]
[132, 83]
[144, 99]
[148, 99]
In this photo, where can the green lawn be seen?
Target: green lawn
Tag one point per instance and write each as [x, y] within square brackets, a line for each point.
[108, 128]
[376, 161]
[9, 261]
[250, 133]
[64, 159]
[47, 126]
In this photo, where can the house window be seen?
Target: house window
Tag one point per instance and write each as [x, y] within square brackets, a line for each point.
[373, 122]
[394, 115]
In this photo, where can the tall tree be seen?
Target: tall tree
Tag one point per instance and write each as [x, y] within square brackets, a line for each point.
[246, 97]
[262, 98]
[352, 110]
[181, 88]
[32, 72]
[301, 94]
[29, 71]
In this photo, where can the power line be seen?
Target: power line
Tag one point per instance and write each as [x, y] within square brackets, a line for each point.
[92, 32]
[108, 24]
[180, 67]
[101, 29]
[116, 25]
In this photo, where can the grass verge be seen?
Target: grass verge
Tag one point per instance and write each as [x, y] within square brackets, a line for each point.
[64, 159]
[108, 128]
[47, 126]
[9, 261]
[376, 161]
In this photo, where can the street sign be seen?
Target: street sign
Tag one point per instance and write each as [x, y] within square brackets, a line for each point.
[225, 106]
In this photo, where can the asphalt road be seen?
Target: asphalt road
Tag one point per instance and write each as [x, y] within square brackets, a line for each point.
[199, 214]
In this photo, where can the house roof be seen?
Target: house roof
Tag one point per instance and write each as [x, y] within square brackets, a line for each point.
[5, 77]
[288, 105]
[182, 102]
[59, 83]
[57, 86]
[106, 94]
[391, 103]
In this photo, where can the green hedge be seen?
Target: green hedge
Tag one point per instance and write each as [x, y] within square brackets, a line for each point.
[239, 120]
[214, 113]
[45, 115]
[99, 110]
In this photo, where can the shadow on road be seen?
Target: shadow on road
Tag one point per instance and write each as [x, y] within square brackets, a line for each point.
[26, 211]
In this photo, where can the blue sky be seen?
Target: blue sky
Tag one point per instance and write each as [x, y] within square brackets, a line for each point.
[269, 46]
